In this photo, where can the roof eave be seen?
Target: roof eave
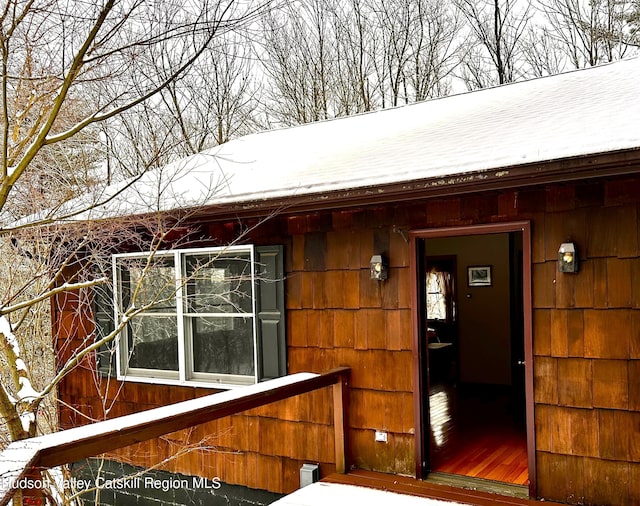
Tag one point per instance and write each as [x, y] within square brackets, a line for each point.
[594, 166]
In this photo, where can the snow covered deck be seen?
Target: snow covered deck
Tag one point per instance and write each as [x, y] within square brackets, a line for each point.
[22, 458]
[321, 493]
[378, 489]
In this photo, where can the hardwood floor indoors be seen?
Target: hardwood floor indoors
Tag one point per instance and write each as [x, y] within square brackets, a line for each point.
[477, 431]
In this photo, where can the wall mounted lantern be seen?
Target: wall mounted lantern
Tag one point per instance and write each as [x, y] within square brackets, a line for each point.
[567, 258]
[379, 269]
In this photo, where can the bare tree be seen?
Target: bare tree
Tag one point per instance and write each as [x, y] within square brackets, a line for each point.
[296, 57]
[356, 43]
[211, 104]
[420, 49]
[498, 26]
[394, 21]
[591, 32]
[219, 96]
[543, 53]
[68, 67]
[325, 58]
[634, 24]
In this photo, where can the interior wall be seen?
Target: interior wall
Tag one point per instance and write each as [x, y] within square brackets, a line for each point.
[483, 312]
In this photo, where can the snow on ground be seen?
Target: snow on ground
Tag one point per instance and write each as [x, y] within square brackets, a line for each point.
[336, 494]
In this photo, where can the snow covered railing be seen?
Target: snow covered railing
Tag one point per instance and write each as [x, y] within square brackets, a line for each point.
[22, 458]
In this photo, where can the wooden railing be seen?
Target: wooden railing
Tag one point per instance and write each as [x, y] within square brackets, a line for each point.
[20, 459]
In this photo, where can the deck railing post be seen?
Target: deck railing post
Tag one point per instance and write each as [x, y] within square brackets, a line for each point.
[340, 421]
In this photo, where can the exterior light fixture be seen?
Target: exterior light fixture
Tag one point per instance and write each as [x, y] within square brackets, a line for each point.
[567, 258]
[379, 268]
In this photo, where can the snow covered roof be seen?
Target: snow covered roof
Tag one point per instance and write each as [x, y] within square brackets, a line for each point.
[575, 114]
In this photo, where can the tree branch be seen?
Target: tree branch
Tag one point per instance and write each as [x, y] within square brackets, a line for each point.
[49, 294]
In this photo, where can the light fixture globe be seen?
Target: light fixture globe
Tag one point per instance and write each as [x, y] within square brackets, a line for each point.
[379, 269]
[567, 257]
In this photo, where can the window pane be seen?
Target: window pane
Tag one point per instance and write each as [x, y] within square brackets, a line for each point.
[157, 286]
[436, 300]
[153, 342]
[219, 284]
[223, 345]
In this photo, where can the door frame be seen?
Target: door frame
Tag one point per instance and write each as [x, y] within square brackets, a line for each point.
[420, 378]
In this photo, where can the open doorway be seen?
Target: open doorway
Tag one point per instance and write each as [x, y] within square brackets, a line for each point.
[473, 334]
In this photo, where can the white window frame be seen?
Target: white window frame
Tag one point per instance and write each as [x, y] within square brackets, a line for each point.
[185, 374]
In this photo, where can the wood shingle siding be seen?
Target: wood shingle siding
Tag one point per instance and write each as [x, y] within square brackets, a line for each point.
[586, 343]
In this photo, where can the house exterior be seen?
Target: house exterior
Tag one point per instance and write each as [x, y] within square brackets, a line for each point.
[466, 201]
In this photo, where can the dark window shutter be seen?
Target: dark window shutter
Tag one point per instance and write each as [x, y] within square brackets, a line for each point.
[104, 325]
[271, 339]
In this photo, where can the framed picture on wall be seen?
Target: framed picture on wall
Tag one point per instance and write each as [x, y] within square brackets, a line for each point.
[479, 275]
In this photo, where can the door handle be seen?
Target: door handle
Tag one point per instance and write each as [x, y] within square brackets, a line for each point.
[521, 362]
